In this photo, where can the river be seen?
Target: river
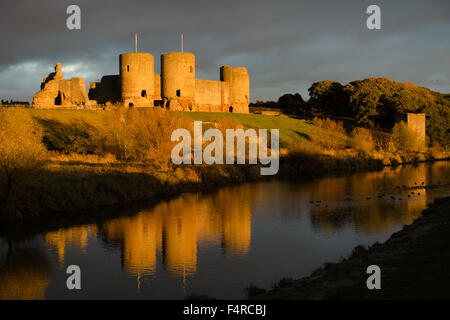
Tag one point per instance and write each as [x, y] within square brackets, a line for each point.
[218, 243]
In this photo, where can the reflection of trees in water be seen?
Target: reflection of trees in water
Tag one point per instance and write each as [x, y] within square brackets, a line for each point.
[356, 201]
[176, 227]
[330, 221]
[375, 218]
[359, 206]
[25, 272]
[439, 173]
[4, 250]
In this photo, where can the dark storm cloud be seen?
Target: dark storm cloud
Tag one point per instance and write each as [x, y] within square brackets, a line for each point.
[286, 45]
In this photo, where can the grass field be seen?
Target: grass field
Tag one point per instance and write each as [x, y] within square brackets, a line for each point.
[292, 131]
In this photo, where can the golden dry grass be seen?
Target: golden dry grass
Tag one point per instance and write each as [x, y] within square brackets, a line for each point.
[362, 141]
[331, 125]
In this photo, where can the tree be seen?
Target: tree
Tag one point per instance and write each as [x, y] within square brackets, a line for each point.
[291, 103]
[438, 123]
[328, 98]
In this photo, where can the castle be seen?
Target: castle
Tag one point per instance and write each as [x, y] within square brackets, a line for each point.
[137, 85]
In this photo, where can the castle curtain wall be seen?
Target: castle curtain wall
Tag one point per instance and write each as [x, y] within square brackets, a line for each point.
[211, 96]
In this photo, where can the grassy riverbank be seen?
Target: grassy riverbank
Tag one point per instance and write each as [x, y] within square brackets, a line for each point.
[90, 159]
[414, 264]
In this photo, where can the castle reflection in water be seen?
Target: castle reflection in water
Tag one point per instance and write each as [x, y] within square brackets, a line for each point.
[175, 228]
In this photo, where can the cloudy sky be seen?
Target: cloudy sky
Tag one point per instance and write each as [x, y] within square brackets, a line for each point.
[286, 45]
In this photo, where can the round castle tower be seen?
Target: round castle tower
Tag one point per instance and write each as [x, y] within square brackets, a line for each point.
[239, 82]
[178, 80]
[137, 79]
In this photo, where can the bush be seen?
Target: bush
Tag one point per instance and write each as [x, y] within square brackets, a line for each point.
[21, 149]
[404, 138]
[335, 126]
[291, 103]
[438, 124]
[362, 140]
[283, 283]
[73, 136]
[332, 138]
[139, 134]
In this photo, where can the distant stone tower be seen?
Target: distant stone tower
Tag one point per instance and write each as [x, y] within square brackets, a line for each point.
[137, 81]
[239, 81]
[416, 122]
[178, 80]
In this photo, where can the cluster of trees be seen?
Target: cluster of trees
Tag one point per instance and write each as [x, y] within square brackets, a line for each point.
[374, 101]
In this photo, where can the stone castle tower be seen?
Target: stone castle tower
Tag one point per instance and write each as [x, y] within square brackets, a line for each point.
[176, 88]
[137, 78]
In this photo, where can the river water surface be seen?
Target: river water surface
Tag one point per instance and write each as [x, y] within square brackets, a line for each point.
[217, 244]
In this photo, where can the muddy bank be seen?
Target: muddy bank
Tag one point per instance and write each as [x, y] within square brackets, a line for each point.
[414, 262]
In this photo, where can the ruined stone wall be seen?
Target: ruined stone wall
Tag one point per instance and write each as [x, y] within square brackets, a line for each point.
[178, 80]
[46, 97]
[78, 91]
[107, 90]
[416, 122]
[72, 92]
[137, 79]
[211, 96]
[239, 82]
[55, 90]
[94, 90]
